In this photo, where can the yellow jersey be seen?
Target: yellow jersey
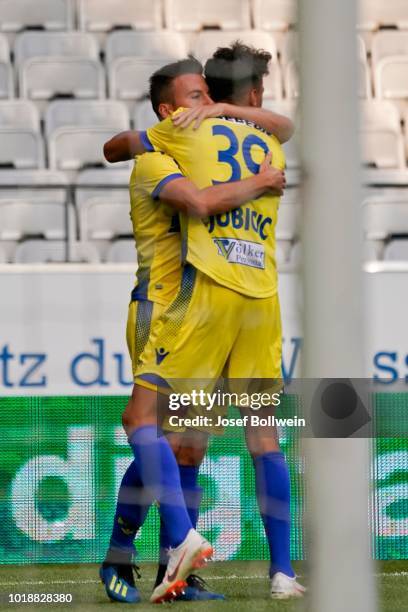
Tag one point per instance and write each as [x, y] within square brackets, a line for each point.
[237, 248]
[156, 229]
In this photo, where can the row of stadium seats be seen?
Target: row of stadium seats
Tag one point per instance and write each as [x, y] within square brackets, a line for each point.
[75, 131]
[51, 64]
[97, 215]
[182, 15]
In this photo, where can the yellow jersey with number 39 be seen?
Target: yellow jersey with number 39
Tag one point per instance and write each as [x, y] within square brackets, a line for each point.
[237, 248]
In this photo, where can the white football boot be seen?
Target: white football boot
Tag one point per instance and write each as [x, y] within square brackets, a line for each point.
[285, 587]
[191, 554]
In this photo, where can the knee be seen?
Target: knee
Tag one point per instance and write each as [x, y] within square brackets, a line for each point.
[189, 456]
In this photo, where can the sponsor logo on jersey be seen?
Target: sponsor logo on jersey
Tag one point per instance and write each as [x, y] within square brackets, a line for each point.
[241, 252]
[160, 355]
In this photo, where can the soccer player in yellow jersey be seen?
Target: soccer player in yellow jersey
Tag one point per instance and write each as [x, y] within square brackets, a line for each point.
[158, 190]
[217, 293]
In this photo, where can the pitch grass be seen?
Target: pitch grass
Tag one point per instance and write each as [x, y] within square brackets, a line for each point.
[245, 585]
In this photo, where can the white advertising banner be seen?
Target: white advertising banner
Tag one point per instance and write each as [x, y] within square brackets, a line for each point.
[62, 327]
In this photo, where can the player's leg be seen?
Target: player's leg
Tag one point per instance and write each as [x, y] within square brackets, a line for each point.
[189, 448]
[190, 330]
[257, 356]
[153, 475]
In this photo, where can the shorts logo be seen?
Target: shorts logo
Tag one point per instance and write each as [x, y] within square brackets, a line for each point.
[241, 252]
[160, 355]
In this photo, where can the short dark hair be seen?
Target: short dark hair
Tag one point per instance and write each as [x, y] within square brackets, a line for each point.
[231, 71]
[162, 79]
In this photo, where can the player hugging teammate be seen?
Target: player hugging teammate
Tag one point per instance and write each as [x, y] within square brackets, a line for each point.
[204, 199]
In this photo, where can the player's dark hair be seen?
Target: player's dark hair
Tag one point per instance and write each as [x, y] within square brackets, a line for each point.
[233, 70]
[162, 79]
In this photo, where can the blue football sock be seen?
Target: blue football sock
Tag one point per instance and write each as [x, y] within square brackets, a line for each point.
[160, 476]
[273, 494]
[192, 495]
[131, 510]
[191, 491]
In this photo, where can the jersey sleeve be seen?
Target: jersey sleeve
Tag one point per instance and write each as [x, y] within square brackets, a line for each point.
[154, 171]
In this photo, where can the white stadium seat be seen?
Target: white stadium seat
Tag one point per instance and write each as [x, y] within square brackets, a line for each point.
[129, 76]
[145, 44]
[60, 44]
[385, 216]
[6, 73]
[54, 251]
[396, 250]
[185, 15]
[122, 251]
[389, 43]
[77, 130]
[144, 115]
[274, 14]
[382, 140]
[19, 218]
[390, 61]
[21, 141]
[105, 15]
[104, 218]
[208, 41]
[376, 13]
[103, 205]
[63, 63]
[133, 56]
[16, 15]
[289, 109]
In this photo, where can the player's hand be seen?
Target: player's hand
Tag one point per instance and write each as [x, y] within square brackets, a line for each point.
[198, 114]
[275, 179]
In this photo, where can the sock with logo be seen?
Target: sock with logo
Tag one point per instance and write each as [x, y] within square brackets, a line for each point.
[159, 473]
[192, 495]
[273, 494]
[131, 510]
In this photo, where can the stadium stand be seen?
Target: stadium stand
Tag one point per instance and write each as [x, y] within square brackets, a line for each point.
[390, 60]
[97, 16]
[144, 116]
[6, 74]
[21, 140]
[17, 15]
[396, 250]
[76, 131]
[377, 13]
[185, 15]
[19, 219]
[88, 49]
[122, 251]
[54, 64]
[274, 14]
[143, 44]
[382, 139]
[54, 251]
[385, 217]
[131, 57]
[102, 204]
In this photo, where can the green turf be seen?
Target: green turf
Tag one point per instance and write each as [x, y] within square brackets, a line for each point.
[245, 585]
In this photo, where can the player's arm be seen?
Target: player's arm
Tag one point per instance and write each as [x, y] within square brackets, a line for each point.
[124, 146]
[280, 126]
[184, 196]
